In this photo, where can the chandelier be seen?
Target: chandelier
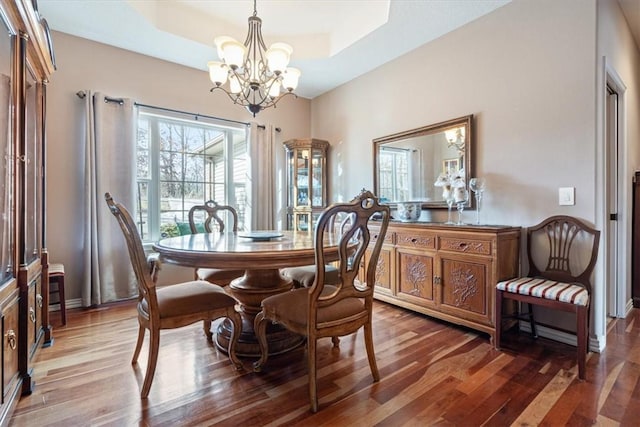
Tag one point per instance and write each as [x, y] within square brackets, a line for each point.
[456, 138]
[258, 77]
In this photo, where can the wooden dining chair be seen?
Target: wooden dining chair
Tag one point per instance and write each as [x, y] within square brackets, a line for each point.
[172, 306]
[210, 218]
[304, 276]
[562, 253]
[332, 310]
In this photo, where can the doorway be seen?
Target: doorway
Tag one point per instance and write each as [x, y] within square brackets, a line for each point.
[616, 199]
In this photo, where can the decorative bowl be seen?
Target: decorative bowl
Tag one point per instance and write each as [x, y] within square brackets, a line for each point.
[409, 211]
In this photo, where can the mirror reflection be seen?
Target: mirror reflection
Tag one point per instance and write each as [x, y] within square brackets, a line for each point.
[418, 164]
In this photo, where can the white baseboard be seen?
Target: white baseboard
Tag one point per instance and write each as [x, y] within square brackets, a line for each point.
[595, 344]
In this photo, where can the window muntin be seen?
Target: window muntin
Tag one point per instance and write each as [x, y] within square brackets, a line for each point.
[182, 162]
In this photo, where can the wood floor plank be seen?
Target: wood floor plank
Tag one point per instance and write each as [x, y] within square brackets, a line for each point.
[432, 373]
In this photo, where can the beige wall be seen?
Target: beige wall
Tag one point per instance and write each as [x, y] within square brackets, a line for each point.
[83, 64]
[526, 73]
[529, 73]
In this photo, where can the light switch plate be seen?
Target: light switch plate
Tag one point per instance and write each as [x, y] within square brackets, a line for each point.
[567, 196]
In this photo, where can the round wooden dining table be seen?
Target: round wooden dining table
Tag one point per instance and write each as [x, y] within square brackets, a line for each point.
[261, 255]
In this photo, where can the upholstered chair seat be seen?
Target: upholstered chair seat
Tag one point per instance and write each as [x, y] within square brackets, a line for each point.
[294, 306]
[303, 276]
[548, 289]
[189, 297]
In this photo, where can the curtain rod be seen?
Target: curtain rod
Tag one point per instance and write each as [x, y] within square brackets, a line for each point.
[196, 115]
[82, 94]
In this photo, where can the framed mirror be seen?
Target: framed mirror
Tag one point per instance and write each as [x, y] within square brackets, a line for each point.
[414, 166]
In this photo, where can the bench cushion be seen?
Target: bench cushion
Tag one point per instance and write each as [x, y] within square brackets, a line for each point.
[548, 289]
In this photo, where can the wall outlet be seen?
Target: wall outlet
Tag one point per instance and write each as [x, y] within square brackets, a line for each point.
[567, 196]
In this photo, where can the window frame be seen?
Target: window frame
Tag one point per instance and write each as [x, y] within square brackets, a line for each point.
[153, 182]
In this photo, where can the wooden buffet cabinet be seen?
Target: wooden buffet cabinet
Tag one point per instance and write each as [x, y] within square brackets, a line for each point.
[447, 271]
[26, 63]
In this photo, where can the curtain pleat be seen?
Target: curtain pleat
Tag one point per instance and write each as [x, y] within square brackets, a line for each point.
[109, 167]
[263, 203]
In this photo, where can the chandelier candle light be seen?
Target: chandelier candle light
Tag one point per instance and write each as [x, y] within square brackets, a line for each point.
[258, 77]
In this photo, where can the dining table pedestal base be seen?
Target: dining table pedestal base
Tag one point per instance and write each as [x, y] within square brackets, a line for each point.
[250, 290]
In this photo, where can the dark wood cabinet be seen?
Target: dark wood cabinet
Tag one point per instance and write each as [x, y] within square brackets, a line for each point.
[26, 63]
[448, 272]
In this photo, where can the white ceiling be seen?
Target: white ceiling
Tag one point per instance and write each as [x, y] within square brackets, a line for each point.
[334, 41]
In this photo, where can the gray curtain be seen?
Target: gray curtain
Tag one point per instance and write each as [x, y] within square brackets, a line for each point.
[110, 166]
[264, 197]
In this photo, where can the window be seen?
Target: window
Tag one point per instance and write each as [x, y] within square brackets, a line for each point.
[184, 161]
[394, 174]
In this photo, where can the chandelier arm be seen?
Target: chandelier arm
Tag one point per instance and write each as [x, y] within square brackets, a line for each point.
[231, 96]
[282, 95]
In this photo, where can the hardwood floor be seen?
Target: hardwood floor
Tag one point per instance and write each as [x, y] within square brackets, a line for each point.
[432, 373]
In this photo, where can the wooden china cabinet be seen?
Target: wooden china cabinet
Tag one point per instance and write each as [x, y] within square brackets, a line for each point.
[306, 181]
[26, 63]
[447, 272]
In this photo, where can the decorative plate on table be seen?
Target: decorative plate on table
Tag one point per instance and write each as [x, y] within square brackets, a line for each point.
[260, 236]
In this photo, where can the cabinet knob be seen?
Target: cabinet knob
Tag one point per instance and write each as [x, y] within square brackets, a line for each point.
[11, 339]
[39, 300]
[32, 315]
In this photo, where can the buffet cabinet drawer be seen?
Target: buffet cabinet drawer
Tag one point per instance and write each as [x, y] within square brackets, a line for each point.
[416, 240]
[465, 245]
[388, 238]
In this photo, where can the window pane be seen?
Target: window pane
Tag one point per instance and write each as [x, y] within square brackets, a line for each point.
[194, 168]
[170, 166]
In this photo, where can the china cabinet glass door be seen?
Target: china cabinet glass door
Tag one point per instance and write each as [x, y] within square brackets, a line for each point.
[32, 158]
[6, 156]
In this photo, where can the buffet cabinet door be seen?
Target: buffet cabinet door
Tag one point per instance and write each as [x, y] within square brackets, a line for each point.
[416, 260]
[464, 275]
[464, 286]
